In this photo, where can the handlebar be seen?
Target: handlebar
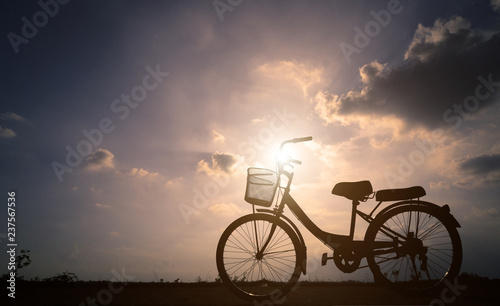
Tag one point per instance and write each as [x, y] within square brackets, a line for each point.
[290, 160]
[295, 140]
[308, 138]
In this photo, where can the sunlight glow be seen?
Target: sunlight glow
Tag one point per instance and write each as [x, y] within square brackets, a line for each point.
[283, 156]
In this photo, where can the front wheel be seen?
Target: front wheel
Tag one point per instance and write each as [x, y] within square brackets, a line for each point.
[249, 272]
[414, 249]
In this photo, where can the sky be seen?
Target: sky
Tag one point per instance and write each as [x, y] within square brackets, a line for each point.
[126, 127]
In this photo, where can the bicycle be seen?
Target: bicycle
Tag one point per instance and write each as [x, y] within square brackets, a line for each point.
[411, 246]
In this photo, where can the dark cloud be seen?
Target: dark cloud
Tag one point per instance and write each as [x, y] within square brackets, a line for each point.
[100, 159]
[482, 164]
[222, 163]
[478, 171]
[485, 212]
[443, 65]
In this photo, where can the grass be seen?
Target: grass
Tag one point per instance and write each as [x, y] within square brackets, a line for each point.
[482, 291]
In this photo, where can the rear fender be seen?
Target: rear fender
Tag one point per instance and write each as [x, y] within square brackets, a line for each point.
[303, 250]
[445, 209]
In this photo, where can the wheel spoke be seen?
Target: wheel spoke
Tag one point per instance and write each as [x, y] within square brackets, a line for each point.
[250, 272]
[427, 250]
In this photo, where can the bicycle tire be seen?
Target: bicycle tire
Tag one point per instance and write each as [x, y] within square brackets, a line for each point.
[269, 278]
[403, 269]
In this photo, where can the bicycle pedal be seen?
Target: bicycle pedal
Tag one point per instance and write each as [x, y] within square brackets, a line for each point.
[324, 259]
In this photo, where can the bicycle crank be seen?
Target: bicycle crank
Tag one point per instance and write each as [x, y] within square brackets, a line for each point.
[347, 260]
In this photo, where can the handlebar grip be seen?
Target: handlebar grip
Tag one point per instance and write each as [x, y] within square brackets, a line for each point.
[298, 162]
[302, 139]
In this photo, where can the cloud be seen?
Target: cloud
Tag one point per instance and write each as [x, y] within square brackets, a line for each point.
[327, 106]
[218, 137]
[444, 64]
[476, 171]
[75, 252]
[491, 212]
[139, 172]
[222, 163]
[427, 41]
[7, 133]
[485, 215]
[371, 71]
[287, 71]
[482, 164]
[175, 181]
[439, 185]
[12, 116]
[496, 5]
[225, 209]
[102, 206]
[100, 159]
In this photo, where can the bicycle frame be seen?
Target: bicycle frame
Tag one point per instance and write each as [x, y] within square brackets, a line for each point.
[334, 241]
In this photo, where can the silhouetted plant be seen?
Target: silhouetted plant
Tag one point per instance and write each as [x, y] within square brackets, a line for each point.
[65, 277]
[36, 279]
[472, 278]
[23, 259]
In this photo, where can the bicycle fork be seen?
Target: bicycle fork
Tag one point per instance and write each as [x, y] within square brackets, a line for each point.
[260, 253]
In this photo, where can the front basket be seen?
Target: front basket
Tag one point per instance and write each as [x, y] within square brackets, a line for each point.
[261, 186]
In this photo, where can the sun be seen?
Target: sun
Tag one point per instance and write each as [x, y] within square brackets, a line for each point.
[282, 156]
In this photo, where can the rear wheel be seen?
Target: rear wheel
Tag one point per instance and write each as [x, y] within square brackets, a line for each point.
[414, 249]
[250, 273]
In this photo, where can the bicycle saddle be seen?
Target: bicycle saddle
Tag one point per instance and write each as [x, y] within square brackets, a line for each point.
[358, 191]
[400, 194]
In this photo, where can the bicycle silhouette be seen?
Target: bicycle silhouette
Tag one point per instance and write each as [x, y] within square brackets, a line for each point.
[412, 246]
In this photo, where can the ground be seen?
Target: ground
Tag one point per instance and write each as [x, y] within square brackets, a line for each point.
[106, 293]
